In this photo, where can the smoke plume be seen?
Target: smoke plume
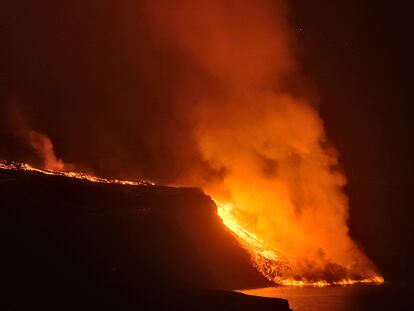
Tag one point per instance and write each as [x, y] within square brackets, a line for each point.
[265, 143]
[44, 148]
[33, 141]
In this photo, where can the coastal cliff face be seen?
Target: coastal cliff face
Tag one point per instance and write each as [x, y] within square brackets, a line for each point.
[69, 242]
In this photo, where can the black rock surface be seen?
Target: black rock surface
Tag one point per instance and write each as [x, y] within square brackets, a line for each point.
[69, 243]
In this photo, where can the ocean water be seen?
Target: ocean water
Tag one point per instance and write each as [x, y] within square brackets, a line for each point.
[340, 298]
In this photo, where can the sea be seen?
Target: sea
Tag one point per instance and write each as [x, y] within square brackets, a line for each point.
[341, 298]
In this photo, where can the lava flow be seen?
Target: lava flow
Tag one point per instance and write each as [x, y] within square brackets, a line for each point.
[272, 263]
[27, 167]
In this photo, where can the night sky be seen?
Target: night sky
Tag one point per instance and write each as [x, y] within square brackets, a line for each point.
[68, 69]
[359, 54]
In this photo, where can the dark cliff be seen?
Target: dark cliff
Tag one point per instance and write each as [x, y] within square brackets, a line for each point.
[67, 242]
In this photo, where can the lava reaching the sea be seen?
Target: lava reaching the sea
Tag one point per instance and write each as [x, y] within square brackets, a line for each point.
[264, 141]
[269, 261]
[226, 109]
[273, 263]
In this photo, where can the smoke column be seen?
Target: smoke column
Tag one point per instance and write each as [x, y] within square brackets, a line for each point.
[44, 147]
[265, 146]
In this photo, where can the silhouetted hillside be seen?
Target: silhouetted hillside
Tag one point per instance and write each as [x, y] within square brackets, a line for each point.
[68, 243]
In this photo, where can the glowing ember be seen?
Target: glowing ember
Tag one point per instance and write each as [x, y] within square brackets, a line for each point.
[273, 263]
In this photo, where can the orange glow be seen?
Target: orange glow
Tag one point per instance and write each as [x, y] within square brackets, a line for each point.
[262, 139]
[238, 121]
[76, 175]
[275, 264]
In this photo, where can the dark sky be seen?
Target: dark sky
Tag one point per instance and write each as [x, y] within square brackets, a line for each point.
[359, 54]
[63, 65]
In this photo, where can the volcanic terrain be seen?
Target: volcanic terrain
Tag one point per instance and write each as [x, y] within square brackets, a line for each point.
[70, 243]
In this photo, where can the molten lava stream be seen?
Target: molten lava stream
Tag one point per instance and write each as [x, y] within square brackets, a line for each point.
[274, 264]
[27, 167]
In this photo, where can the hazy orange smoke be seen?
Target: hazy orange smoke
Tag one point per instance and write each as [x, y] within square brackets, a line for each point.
[44, 148]
[266, 145]
[40, 143]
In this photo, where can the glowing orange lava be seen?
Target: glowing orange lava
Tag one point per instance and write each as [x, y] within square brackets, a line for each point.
[271, 262]
[77, 175]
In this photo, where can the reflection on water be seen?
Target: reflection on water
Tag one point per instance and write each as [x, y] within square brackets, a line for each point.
[336, 298]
